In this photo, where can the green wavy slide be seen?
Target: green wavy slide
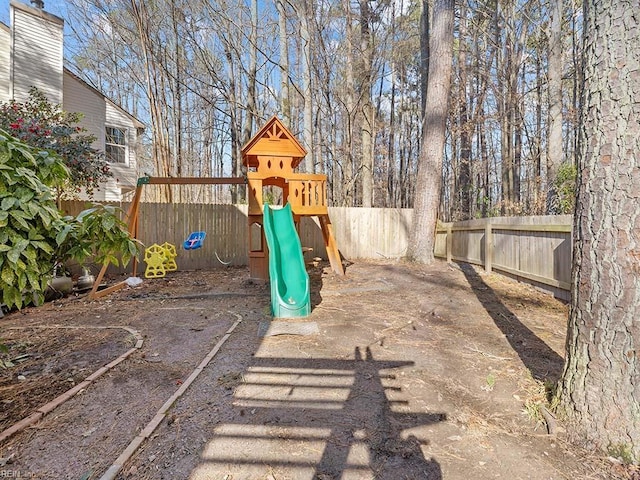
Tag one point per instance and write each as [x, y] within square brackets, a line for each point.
[289, 278]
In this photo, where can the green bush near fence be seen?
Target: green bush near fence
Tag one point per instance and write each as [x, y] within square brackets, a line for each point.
[34, 235]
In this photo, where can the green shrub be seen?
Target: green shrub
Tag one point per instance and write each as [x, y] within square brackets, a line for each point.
[34, 235]
[29, 220]
[78, 239]
[45, 126]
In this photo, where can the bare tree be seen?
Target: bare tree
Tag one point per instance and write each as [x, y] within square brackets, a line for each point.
[554, 75]
[345, 74]
[154, 85]
[250, 111]
[364, 94]
[429, 181]
[285, 100]
[304, 15]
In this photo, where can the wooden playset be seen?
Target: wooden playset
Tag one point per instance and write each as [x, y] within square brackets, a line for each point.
[271, 157]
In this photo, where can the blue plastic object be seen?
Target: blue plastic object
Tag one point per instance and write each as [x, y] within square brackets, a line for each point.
[194, 241]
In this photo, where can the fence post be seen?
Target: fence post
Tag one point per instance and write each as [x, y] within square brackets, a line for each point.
[488, 247]
[449, 242]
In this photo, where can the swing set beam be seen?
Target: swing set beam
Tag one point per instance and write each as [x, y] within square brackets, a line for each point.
[134, 211]
[191, 181]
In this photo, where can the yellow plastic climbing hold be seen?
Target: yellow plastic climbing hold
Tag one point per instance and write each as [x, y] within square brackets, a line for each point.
[170, 255]
[154, 257]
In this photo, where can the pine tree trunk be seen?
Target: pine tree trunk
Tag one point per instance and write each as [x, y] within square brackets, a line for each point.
[366, 131]
[304, 14]
[554, 142]
[348, 178]
[429, 180]
[285, 101]
[464, 172]
[424, 55]
[600, 387]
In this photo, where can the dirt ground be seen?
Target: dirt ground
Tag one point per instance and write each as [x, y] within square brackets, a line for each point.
[415, 373]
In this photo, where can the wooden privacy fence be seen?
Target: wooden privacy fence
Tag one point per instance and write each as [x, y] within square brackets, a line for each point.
[225, 225]
[360, 232]
[537, 249]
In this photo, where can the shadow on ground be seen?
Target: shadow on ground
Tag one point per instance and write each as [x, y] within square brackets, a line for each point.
[541, 360]
[323, 419]
[315, 286]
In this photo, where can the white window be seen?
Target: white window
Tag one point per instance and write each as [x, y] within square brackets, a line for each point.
[115, 147]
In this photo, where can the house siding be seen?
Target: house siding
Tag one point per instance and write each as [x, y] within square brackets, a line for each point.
[100, 112]
[31, 54]
[78, 97]
[37, 53]
[5, 55]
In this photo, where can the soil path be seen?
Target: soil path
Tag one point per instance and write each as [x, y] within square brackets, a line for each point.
[416, 373]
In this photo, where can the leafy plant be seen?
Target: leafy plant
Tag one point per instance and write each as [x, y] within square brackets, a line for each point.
[490, 383]
[29, 220]
[44, 126]
[77, 239]
[33, 233]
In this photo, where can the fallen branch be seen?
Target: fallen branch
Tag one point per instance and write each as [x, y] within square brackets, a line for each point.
[552, 425]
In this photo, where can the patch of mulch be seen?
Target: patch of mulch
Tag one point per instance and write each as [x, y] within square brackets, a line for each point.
[41, 363]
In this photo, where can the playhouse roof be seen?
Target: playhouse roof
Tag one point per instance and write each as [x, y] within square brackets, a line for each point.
[273, 139]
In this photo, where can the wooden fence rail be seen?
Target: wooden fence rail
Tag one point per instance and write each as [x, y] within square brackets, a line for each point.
[536, 249]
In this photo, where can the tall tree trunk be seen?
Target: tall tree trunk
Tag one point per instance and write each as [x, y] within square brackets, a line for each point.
[429, 181]
[250, 112]
[391, 143]
[487, 198]
[517, 109]
[483, 199]
[424, 55]
[161, 149]
[348, 188]
[234, 125]
[366, 55]
[503, 59]
[601, 380]
[464, 170]
[304, 14]
[285, 101]
[554, 74]
[577, 75]
[537, 146]
[177, 95]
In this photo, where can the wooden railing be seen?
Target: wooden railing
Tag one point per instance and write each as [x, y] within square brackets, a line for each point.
[308, 194]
